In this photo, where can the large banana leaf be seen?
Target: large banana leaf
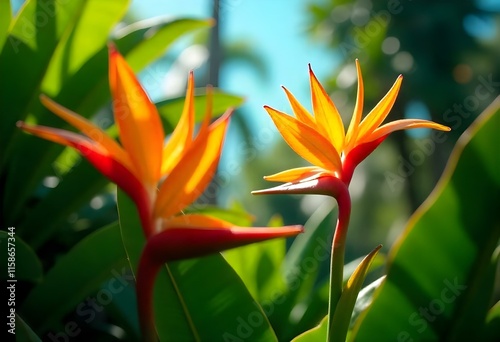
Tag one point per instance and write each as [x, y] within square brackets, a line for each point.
[441, 272]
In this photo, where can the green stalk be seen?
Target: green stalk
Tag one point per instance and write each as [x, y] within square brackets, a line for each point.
[341, 193]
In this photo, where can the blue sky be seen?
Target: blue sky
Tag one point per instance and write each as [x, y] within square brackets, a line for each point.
[276, 29]
[276, 32]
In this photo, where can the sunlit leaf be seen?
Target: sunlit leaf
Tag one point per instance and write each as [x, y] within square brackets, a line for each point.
[170, 110]
[339, 324]
[317, 301]
[235, 216]
[145, 41]
[315, 334]
[492, 327]
[29, 41]
[436, 287]
[63, 75]
[5, 19]
[309, 253]
[70, 85]
[199, 298]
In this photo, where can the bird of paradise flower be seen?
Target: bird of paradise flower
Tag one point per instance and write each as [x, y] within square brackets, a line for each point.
[161, 178]
[322, 140]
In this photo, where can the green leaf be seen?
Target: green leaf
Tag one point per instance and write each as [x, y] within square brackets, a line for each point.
[85, 101]
[197, 299]
[34, 37]
[365, 297]
[84, 95]
[5, 19]
[98, 257]
[44, 218]
[236, 216]
[317, 302]
[339, 325]
[170, 110]
[435, 287]
[24, 332]
[378, 260]
[147, 40]
[80, 52]
[123, 309]
[309, 253]
[316, 334]
[26, 264]
[492, 328]
[259, 266]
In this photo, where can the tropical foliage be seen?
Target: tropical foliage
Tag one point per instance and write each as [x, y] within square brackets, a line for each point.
[111, 229]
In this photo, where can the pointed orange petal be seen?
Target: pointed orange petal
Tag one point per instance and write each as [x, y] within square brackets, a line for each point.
[89, 129]
[324, 185]
[328, 120]
[100, 158]
[183, 243]
[182, 136]
[378, 114]
[58, 136]
[208, 109]
[352, 131]
[197, 221]
[404, 124]
[194, 171]
[299, 111]
[141, 131]
[296, 174]
[306, 141]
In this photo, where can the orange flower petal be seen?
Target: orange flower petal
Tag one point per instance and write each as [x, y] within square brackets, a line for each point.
[296, 174]
[328, 120]
[378, 114]
[182, 136]
[100, 158]
[194, 171]
[352, 131]
[196, 220]
[89, 129]
[299, 111]
[306, 141]
[205, 125]
[404, 124]
[60, 136]
[141, 130]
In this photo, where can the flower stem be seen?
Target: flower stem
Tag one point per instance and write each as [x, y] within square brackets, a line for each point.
[341, 193]
[146, 274]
